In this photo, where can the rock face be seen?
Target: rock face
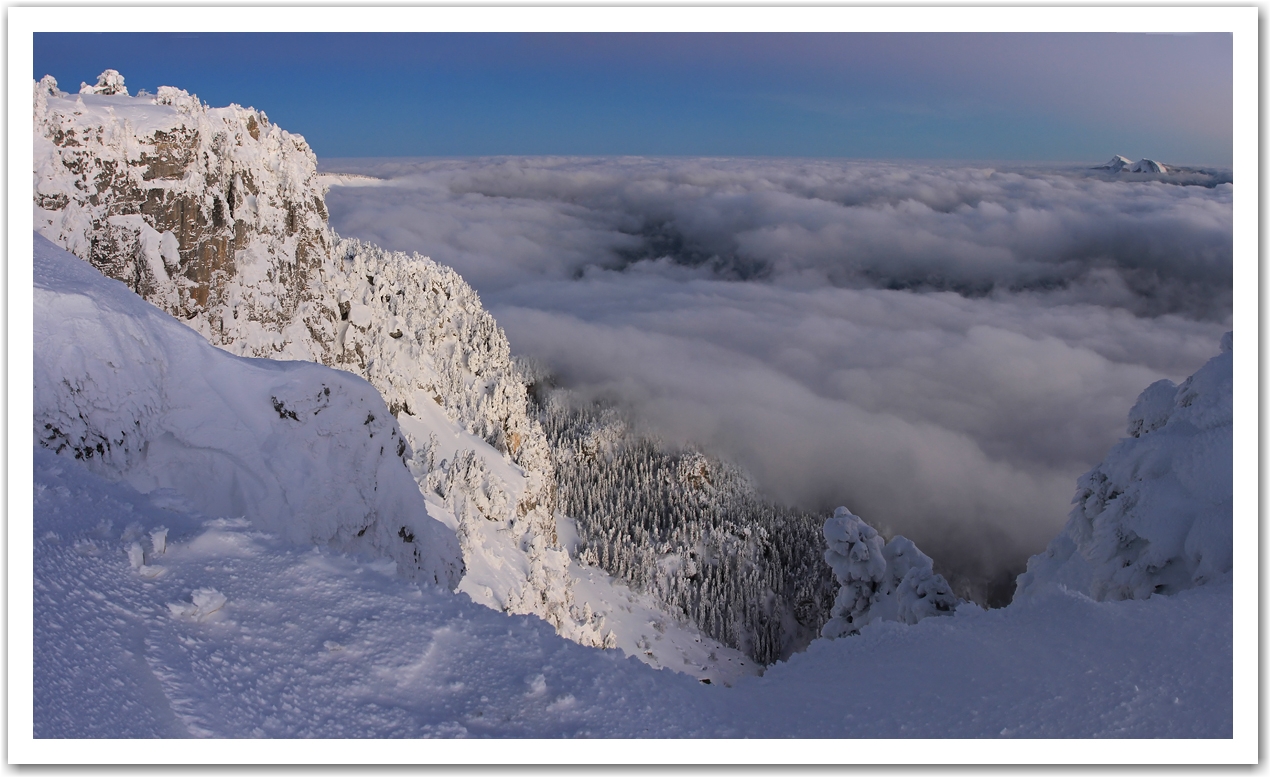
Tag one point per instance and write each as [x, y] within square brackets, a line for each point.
[214, 215]
[217, 216]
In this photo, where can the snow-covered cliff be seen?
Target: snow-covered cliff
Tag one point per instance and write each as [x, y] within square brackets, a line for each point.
[216, 216]
[1155, 517]
[212, 214]
[300, 450]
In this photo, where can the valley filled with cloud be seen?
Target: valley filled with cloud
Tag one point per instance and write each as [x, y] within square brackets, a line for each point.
[944, 348]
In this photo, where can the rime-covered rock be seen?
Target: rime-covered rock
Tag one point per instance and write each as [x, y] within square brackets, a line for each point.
[417, 331]
[1155, 516]
[214, 214]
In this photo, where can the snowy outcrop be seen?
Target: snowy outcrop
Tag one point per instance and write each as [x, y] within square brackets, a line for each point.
[417, 331]
[1155, 516]
[217, 216]
[891, 581]
[305, 452]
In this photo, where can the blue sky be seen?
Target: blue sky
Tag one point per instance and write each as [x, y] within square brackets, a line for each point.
[1013, 96]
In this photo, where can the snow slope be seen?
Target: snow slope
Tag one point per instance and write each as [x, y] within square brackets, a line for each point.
[298, 449]
[311, 642]
[1116, 164]
[307, 642]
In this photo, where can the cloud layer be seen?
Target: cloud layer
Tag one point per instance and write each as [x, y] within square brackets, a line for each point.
[942, 349]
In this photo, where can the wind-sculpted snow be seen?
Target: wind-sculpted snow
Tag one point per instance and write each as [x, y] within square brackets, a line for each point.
[300, 450]
[1155, 516]
[881, 581]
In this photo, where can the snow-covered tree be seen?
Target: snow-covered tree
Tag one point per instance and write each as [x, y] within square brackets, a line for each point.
[891, 581]
[109, 82]
[855, 556]
[689, 529]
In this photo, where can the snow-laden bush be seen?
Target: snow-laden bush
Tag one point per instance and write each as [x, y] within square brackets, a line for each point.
[879, 581]
[109, 82]
[1156, 515]
[303, 451]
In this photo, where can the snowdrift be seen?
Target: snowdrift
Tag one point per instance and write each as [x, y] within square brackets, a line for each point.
[1155, 517]
[309, 453]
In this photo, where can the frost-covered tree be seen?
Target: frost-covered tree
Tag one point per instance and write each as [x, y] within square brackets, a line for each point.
[689, 529]
[109, 82]
[855, 556]
[891, 581]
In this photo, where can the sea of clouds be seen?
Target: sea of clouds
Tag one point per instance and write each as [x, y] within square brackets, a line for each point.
[943, 349]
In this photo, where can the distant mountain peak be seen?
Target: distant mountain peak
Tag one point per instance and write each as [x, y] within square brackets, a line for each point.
[1148, 166]
[1116, 164]
[1121, 164]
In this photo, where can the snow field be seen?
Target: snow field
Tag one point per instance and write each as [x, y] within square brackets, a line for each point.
[310, 642]
[307, 642]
